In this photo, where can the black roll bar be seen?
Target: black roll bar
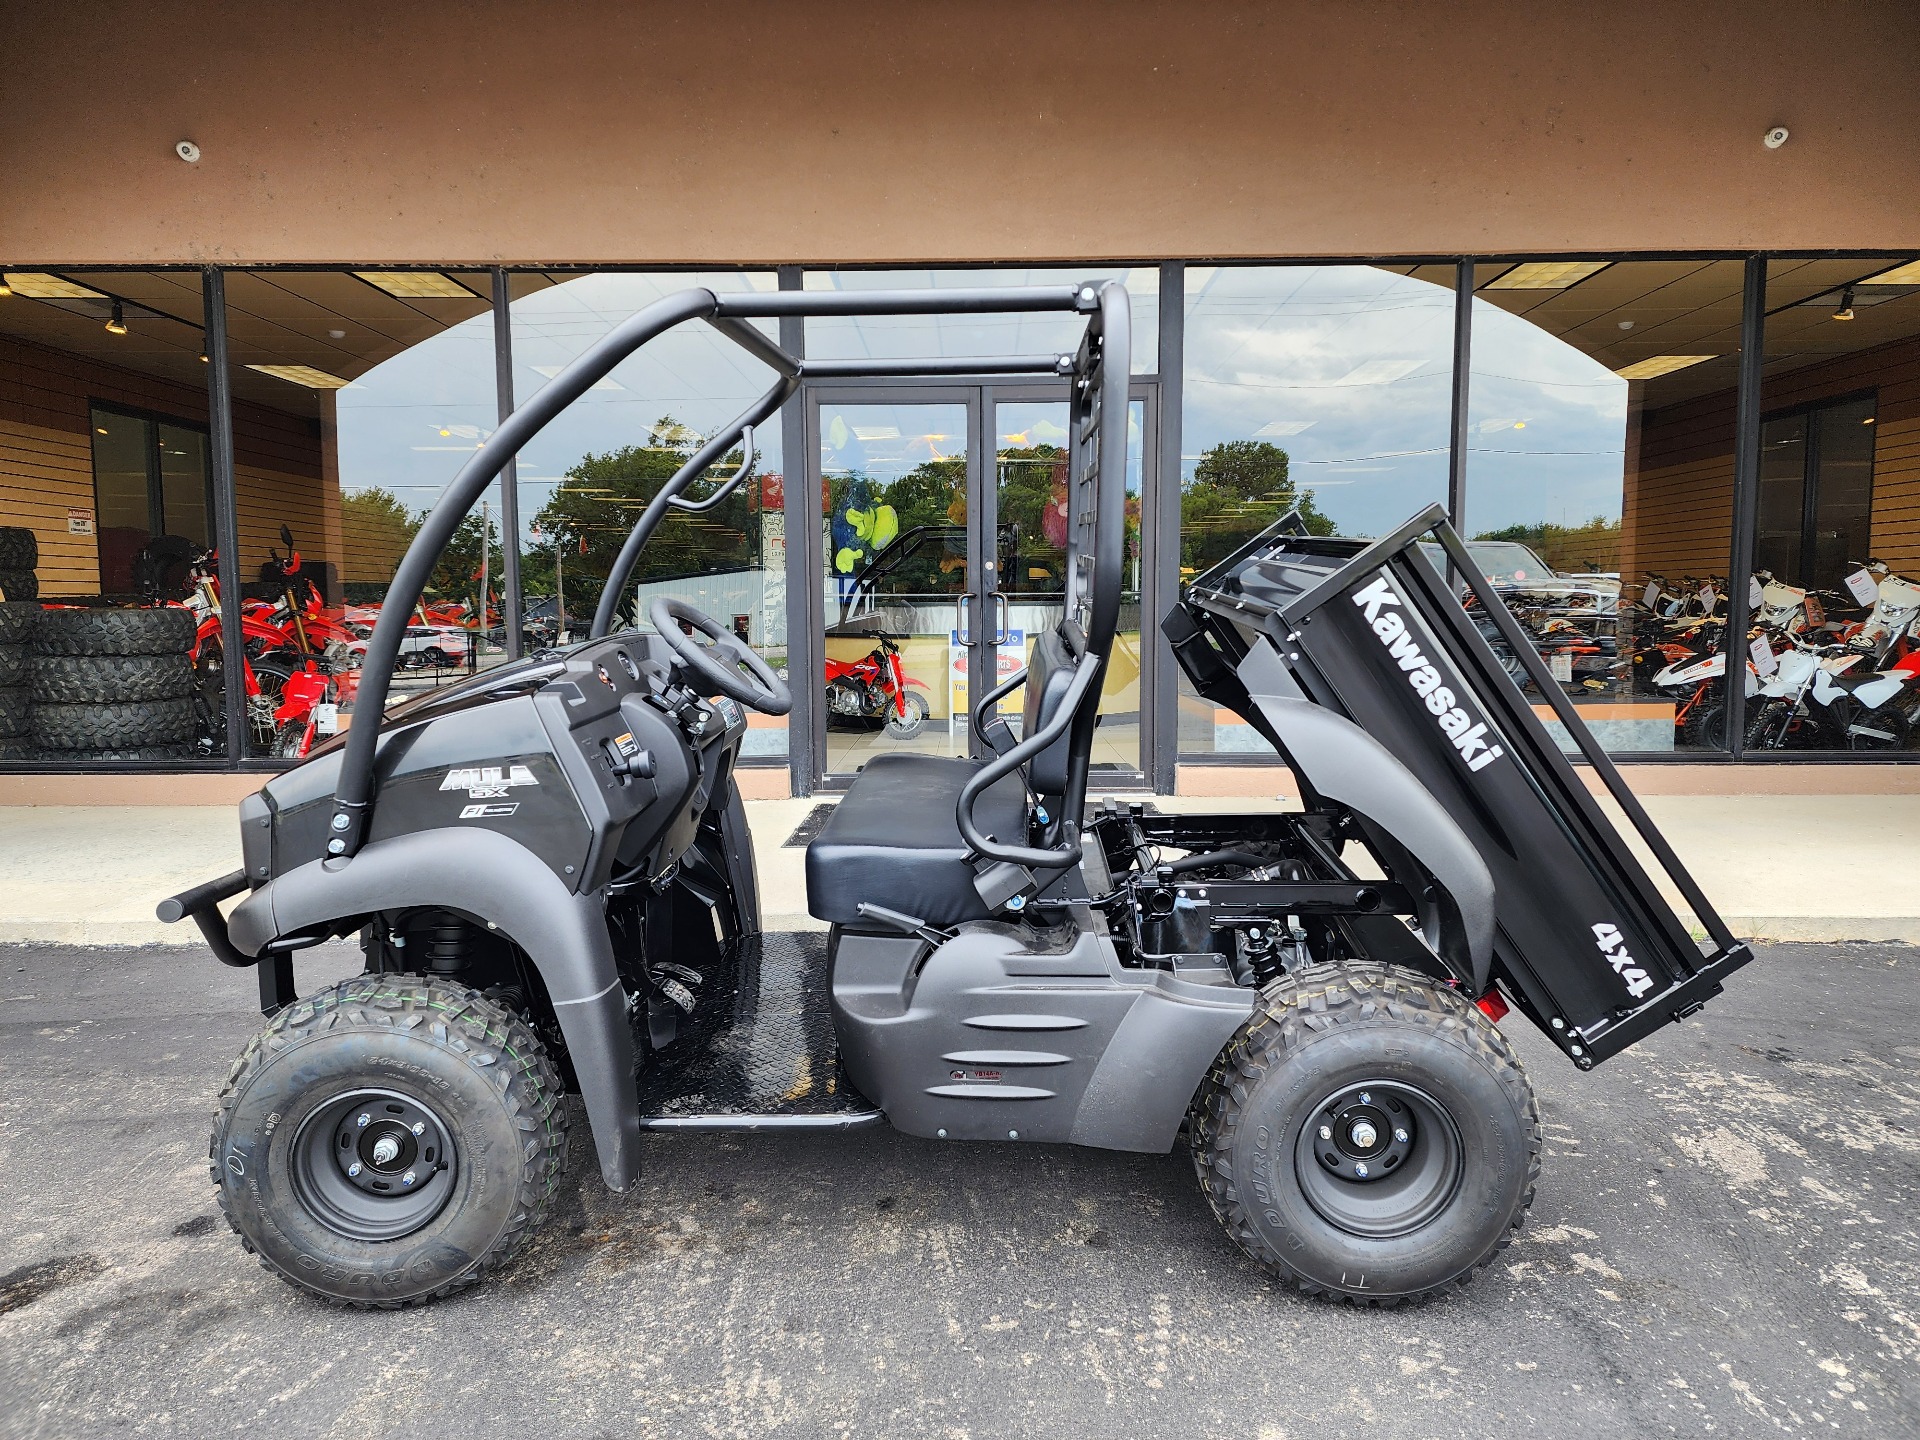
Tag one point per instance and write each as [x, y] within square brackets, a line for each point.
[727, 313]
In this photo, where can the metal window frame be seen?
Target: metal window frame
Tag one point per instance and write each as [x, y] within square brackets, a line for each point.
[1159, 562]
[156, 488]
[1810, 467]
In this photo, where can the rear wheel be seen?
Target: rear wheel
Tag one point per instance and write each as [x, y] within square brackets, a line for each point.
[1367, 1136]
[389, 1141]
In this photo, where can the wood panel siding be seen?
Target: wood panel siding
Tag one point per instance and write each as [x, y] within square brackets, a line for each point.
[46, 459]
[1677, 516]
[43, 473]
[1893, 373]
[1678, 510]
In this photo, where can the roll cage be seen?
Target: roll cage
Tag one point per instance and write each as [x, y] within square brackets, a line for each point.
[1098, 370]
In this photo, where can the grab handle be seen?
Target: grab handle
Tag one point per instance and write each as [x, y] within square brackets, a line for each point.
[680, 502]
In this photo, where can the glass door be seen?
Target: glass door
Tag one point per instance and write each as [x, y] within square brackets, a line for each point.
[900, 612]
[937, 570]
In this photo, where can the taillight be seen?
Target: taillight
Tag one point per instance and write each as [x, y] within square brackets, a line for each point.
[1493, 1005]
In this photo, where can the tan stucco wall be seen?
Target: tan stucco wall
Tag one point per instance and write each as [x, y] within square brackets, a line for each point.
[598, 131]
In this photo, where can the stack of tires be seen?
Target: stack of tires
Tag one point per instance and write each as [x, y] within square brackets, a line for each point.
[112, 684]
[17, 620]
[19, 556]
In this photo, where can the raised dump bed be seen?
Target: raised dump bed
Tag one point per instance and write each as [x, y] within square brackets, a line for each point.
[1583, 939]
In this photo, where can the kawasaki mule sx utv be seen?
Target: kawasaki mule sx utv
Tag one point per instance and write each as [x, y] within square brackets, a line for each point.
[549, 869]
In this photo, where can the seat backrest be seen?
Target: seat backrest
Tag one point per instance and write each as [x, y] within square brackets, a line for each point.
[1056, 654]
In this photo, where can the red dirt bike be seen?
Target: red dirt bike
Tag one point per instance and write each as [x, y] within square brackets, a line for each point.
[284, 675]
[876, 687]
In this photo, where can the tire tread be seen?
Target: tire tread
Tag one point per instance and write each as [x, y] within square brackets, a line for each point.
[464, 1021]
[1309, 1002]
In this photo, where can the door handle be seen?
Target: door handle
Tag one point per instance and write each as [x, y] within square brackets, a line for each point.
[1005, 610]
[960, 617]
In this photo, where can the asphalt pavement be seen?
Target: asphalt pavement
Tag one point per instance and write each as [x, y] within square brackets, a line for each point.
[1725, 1242]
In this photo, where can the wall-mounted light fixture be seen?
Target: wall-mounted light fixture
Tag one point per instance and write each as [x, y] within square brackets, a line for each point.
[117, 322]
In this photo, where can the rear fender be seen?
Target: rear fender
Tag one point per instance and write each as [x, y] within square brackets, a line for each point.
[1339, 761]
[487, 875]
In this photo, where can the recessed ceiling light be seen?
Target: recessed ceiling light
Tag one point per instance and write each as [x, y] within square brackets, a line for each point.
[36, 286]
[1660, 365]
[1547, 275]
[302, 375]
[1907, 274]
[416, 284]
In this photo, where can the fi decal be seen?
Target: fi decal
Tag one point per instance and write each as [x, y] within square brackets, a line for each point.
[487, 782]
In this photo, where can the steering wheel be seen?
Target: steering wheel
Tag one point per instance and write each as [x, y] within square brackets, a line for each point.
[728, 665]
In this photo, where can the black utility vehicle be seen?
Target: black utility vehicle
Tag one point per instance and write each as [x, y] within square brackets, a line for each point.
[548, 866]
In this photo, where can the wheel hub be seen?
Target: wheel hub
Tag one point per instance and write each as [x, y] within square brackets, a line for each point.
[1363, 1135]
[373, 1164]
[1379, 1159]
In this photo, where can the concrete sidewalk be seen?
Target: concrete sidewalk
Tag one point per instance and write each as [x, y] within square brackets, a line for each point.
[1790, 867]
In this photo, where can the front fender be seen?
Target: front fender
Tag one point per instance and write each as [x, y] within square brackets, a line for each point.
[487, 875]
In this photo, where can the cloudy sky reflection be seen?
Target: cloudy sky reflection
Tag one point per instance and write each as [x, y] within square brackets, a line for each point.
[1346, 367]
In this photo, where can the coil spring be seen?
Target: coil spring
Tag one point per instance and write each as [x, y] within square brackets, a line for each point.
[447, 946]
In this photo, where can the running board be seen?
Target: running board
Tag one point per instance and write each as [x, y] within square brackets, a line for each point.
[726, 1124]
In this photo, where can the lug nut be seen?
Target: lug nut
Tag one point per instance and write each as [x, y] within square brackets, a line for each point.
[407, 1179]
[1365, 1098]
[1401, 1136]
[354, 1168]
[1361, 1171]
[1326, 1132]
[420, 1128]
[364, 1121]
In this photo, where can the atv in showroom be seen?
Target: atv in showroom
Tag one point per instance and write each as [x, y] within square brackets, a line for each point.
[549, 870]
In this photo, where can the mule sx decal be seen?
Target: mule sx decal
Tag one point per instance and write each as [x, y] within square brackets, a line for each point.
[487, 782]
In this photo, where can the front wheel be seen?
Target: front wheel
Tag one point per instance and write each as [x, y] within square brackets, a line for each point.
[907, 716]
[389, 1141]
[1368, 1136]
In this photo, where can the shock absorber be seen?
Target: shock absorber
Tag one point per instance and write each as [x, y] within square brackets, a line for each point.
[446, 945]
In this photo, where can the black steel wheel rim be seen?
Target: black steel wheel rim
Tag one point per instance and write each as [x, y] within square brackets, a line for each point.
[373, 1164]
[1379, 1159]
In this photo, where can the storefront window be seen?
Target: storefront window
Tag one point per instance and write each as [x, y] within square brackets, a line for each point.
[1837, 524]
[1600, 452]
[588, 476]
[358, 396]
[104, 513]
[1322, 388]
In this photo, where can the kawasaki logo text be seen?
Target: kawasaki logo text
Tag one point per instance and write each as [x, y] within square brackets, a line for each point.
[1469, 736]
